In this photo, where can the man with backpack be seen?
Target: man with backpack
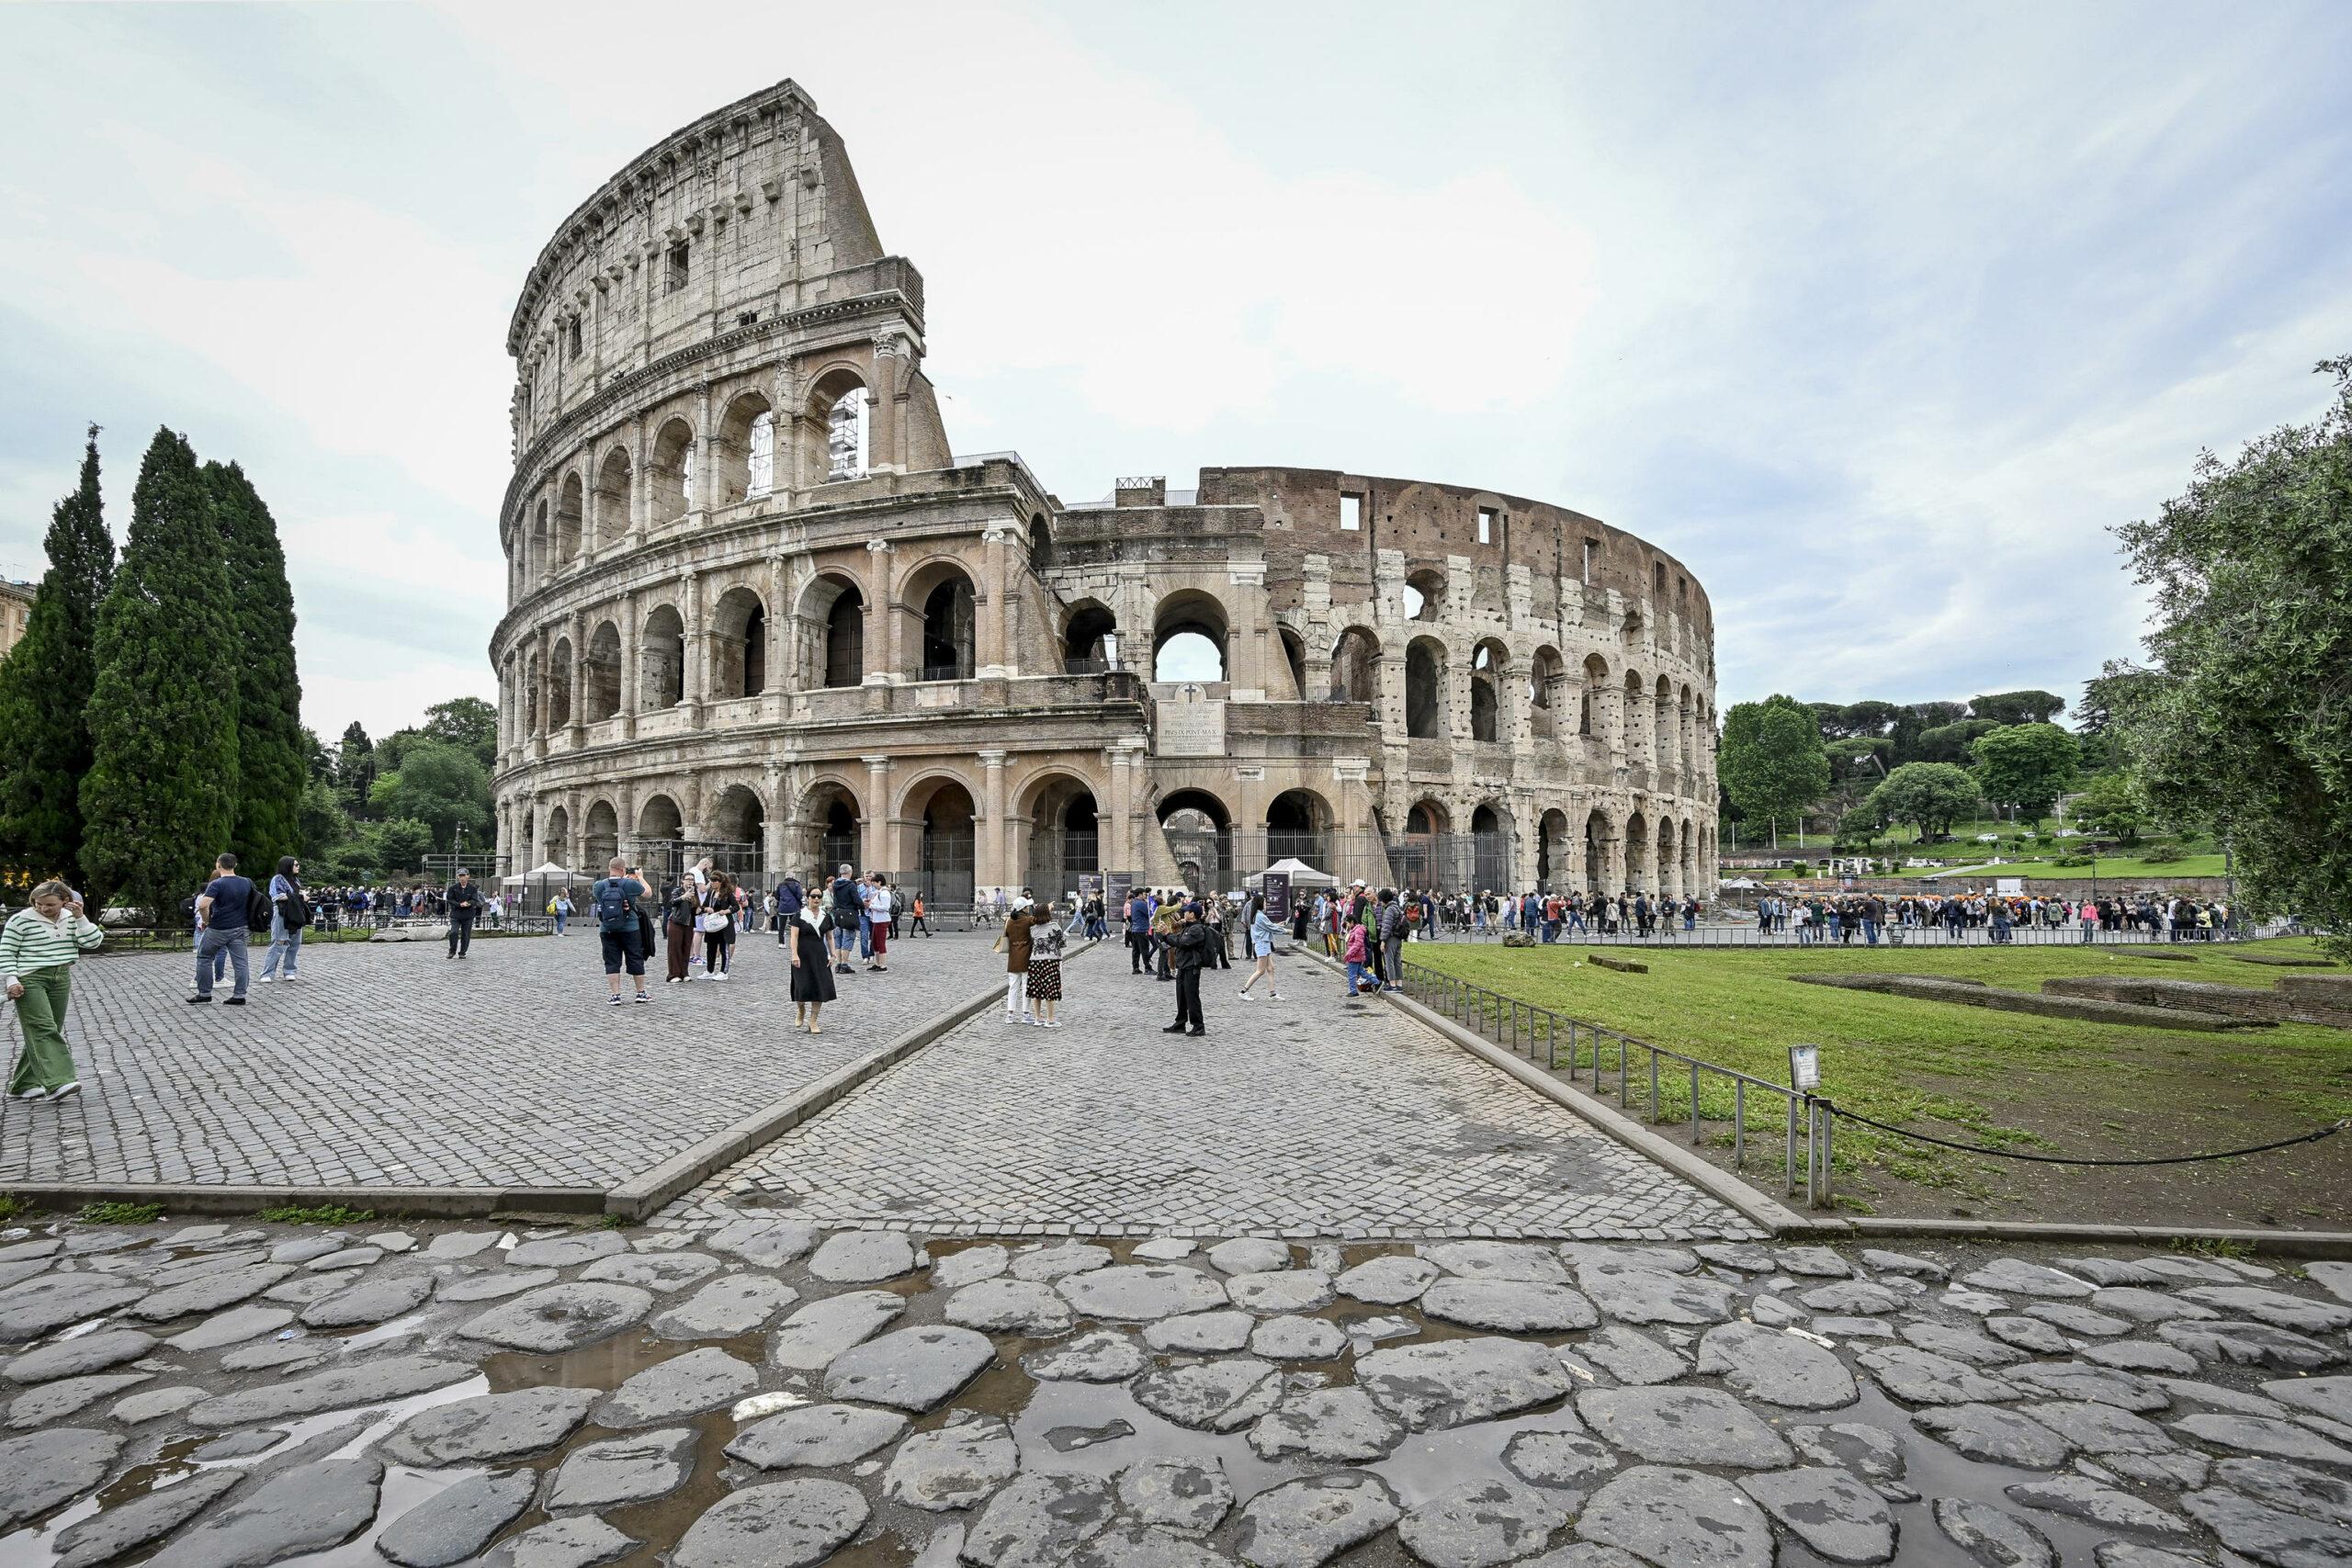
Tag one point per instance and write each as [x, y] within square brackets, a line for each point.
[847, 910]
[614, 898]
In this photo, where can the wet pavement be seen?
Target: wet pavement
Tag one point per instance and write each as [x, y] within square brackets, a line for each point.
[764, 1391]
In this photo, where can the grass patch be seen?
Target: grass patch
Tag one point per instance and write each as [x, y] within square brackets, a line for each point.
[2004, 1080]
[2213, 1246]
[112, 1212]
[11, 1206]
[315, 1214]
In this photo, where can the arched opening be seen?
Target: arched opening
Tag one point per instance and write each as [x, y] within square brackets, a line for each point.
[739, 824]
[609, 519]
[1547, 685]
[1293, 664]
[1667, 749]
[1424, 594]
[1355, 667]
[560, 685]
[534, 696]
[1637, 854]
[948, 638]
[661, 843]
[568, 510]
[1596, 852]
[1486, 664]
[1041, 545]
[662, 670]
[946, 858]
[1636, 733]
[1425, 690]
[599, 695]
[1091, 643]
[1188, 639]
[1552, 847]
[600, 840]
[830, 632]
[1427, 819]
[1633, 628]
[669, 485]
[746, 450]
[1691, 849]
[827, 836]
[1199, 832]
[1489, 849]
[1667, 862]
[1415, 858]
[739, 647]
[1298, 827]
[1589, 711]
[542, 556]
[1064, 838]
[558, 848]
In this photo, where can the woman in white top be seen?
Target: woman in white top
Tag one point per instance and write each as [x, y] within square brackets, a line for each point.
[1261, 948]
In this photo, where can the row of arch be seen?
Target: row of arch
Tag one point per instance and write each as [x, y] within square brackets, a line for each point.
[597, 505]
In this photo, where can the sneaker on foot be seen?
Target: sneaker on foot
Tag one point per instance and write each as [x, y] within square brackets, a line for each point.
[614, 999]
[645, 996]
[33, 1094]
[264, 979]
[1275, 996]
[289, 979]
[193, 1000]
[64, 1090]
[1244, 996]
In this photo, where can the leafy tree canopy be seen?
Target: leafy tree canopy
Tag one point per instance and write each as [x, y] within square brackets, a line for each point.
[2111, 806]
[1771, 762]
[441, 784]
[1931, 794]
[2237, 722]
[2026, 766]
[1953, 742]
[464, 721]
[2018, 708]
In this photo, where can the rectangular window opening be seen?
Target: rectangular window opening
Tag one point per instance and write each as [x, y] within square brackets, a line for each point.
[573, 337]
[1350, 514]
[1591, 554]
[677, 266]
[1486, 516]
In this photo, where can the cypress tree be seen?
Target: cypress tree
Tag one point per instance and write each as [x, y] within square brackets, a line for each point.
[270, 747]
[159, 799]
[45, 690]
[355, 768]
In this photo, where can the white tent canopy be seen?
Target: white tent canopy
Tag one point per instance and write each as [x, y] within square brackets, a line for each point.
[547, 873]
[1301, 876]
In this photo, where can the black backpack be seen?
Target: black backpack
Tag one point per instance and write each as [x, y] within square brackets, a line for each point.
[257, 908]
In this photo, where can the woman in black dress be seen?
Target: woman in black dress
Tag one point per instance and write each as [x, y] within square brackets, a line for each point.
[812, 973]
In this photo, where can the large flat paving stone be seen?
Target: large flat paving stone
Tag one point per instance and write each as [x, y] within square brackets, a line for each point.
[124, 1528]
[957, 1466]
[912, 1368]
[1387, 1282]
[1511, 1306]
[1776, 1368]
[490, 1426]
[308, 1508]
[634, 1468]
[812, 1336]
[1041, 1518]
[1682, 1426]
[682, 1386]
[1176, 1491]
[1996, 1436]
[84, 1353]
[817, 1437]
[580, 1542]
[725, 1309]
[55, 1401]
[1679, 1518]
[1307, 1522]
[1524, 1261]
[1834, 1515]
[43, 1470]
[1098, 1355]
[765, 1244]
[1642, 1295]
[208, 1293]
[1330, 1425]
[336, 1388]
[1453, 1382]
[1992, 1535]
[780, 1524]
[566, 1251]
[454, 1524]
[1141, 1293]
[560, 1317]
[42, 1306]
[370, 1301]
[1010, 1306]
[1480, 1524]
[863, 1258]
[1211, 1396]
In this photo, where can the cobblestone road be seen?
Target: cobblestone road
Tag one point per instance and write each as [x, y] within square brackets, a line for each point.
[1308, 1116]
[761, 1395]
[391, 1065]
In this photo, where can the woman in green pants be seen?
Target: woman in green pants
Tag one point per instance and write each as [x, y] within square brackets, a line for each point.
[38, 947]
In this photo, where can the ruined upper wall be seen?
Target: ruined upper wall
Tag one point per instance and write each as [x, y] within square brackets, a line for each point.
[1431, 522]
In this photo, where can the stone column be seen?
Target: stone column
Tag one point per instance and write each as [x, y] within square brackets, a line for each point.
[578, 676]
[995, 628]
[694, 681]
[881, 616]
[771, 849]
[883, 407]
[639, 484]
[874, 821]
[702, 481]
[996, 871]
[1246, 655]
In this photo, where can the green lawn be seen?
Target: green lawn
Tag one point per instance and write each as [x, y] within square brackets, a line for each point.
[2118, 869]
[2005, 1080]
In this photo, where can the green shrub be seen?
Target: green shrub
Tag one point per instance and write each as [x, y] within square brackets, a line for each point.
[316, 1214]
[2163, 852]
[117, 1213]
[2072, 859]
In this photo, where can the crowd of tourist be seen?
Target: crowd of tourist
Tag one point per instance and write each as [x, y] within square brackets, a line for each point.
[1821, 917]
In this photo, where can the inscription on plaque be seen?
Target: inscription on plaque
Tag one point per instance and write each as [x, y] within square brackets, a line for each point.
[1192, 726]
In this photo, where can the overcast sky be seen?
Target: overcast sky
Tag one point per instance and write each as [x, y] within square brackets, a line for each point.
[1877, 317]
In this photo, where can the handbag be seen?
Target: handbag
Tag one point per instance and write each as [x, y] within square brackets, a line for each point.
[711, 924]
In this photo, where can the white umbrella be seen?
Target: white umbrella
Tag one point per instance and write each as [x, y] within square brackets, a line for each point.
[1301, 876]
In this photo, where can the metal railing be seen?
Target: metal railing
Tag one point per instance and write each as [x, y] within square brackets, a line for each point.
[1541, 1036]
[1725, 934]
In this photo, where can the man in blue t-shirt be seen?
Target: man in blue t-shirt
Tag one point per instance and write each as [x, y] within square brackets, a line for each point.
[614, 898]
[1140, 909]
[220, 910]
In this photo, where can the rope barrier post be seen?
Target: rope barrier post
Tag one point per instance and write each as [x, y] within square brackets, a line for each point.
[1828, 1151]
[1790, 1163]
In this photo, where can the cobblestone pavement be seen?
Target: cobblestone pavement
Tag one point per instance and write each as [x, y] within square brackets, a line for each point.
[761, 1395]
[389, 1064]
[1308, 1116]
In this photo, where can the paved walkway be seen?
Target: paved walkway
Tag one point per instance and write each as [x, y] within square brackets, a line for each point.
[754, 1396]
[1311, 1116]
[391, 1065]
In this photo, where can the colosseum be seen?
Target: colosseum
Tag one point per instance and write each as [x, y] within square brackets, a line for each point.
[758, 609]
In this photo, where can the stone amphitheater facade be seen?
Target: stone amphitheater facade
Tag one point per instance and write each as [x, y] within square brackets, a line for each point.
[757, 608]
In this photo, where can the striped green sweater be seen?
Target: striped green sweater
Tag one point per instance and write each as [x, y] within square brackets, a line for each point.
[29, 942]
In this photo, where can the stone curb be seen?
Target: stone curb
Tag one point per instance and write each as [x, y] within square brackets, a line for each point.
[641, 1195]
[422, 1203]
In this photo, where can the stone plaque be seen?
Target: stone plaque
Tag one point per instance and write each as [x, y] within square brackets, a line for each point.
[1190, 726]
